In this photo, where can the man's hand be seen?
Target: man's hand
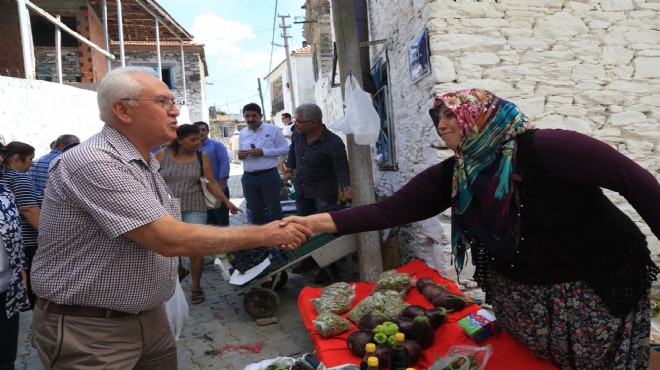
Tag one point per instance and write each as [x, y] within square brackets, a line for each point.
[288, 236]
[288, 176]
[256, 152]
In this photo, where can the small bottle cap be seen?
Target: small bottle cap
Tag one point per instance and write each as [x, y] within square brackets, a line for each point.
[370, 347]
[400, 337]
[372, 361]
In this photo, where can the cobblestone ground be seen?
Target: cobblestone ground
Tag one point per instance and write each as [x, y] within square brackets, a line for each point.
[221, 321]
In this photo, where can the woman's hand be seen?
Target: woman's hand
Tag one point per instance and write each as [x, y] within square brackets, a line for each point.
[232, 208]
[318, 223]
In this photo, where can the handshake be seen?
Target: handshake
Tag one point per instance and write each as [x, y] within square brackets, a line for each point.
[290, 232]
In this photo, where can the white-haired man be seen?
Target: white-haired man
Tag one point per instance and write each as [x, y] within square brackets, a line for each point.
[109, 231]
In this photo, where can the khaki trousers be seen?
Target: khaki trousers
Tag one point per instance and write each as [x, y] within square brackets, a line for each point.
[143, 341]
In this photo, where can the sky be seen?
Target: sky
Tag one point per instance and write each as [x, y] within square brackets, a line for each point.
[238, 37]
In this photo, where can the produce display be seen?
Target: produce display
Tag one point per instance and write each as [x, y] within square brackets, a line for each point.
[339, 350]
[335, 298]
[384, 313]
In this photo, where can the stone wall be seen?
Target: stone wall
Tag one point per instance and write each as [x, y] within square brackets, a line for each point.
[37, 112]
[588, 66]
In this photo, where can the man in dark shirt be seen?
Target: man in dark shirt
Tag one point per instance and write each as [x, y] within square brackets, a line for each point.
[318, 165]
[318, 159]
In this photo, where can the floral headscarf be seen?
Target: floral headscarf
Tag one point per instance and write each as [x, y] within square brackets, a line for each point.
[482, 188]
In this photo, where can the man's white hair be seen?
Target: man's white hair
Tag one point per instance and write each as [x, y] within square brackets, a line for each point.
[119, 84]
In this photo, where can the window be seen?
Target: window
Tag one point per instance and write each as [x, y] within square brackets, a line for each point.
[225, 131]
[167, 77]
[43, 32]
[385, 150]
[166, 72]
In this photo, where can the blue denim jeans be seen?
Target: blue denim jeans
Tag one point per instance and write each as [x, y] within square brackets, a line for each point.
[219, 216]
[262, 192]
[193, 217]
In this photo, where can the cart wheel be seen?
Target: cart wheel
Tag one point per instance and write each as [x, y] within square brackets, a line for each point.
[284, 277]
[261, 302]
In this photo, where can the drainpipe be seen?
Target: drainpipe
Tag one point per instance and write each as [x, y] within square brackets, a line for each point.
[362, 29]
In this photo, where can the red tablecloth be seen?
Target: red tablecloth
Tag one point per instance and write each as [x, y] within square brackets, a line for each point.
[508, 354]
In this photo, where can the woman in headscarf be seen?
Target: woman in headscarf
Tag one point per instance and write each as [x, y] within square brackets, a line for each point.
[567, 272]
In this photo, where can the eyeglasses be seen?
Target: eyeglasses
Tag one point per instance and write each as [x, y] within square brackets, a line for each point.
[309, 120]
[165, 103]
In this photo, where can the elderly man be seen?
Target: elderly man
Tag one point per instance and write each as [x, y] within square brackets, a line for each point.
[318, 159]
[109, 231]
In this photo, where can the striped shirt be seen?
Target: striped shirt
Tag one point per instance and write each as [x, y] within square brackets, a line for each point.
[20, 184]
[97, 192]
[183, 181]
[38, 172]
[270, 139]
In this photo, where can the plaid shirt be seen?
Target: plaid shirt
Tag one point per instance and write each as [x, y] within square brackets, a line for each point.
[321, 166]
[38, 172]
[97, 192]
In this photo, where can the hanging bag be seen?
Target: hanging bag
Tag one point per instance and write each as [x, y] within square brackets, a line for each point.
[211, 201]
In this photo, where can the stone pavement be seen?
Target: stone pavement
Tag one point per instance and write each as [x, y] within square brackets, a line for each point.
[221, 321]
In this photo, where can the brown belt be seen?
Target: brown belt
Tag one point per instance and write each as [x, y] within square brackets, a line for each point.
[79, 311]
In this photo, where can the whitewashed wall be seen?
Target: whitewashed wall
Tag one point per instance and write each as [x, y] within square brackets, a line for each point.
[37, 112]
[588, 66]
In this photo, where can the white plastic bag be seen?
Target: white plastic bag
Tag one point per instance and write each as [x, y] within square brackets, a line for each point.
[360, 116]
[283, 362]
[464, 358]
[177, 311]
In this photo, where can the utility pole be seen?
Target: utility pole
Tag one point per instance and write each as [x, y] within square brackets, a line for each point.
[362, 182]
[288, 60]
[261, 96]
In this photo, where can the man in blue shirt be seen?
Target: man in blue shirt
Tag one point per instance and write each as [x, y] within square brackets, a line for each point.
[38, 172]
[220, 163]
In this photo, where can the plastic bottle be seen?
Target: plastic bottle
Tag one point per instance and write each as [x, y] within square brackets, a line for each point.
[372, 363]
[370, 351]
[399, 353]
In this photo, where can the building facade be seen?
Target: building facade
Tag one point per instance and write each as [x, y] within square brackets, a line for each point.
[588, 66]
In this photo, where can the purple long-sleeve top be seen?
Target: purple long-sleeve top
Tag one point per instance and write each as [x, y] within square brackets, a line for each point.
[568, 155]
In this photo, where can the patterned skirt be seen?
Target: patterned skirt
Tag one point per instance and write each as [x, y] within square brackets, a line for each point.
[568, 325]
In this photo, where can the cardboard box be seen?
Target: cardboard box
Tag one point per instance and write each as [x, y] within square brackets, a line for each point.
[479, 325]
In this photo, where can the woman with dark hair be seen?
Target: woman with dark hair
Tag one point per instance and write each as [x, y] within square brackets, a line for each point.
[567, 272]
[13, 278]
[15, 178]
[181, 169]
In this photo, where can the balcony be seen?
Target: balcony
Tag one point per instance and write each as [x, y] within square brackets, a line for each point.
[277, 104]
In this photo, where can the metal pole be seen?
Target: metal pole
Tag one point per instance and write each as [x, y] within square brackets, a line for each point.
[58, 52]
[26, 39]
[183, 74]
[106, 37]
[120, 26]
[160, 66]
[288, 62]
[261, 96]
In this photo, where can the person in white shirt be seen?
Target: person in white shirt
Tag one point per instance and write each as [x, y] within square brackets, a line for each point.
[260, 147]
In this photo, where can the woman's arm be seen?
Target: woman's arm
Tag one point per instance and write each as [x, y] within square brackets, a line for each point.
[32, 215]
[583, 160]
[213, 185]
